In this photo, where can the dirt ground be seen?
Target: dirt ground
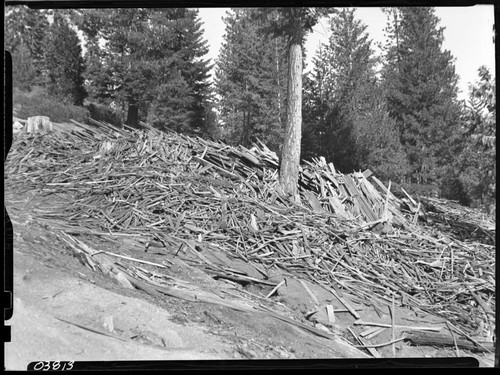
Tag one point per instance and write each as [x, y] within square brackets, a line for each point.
[65, 311]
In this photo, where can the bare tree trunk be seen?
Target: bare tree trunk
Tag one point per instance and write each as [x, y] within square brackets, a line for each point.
[245, 134]
[133, 115]
[290, 154]
[277, 57]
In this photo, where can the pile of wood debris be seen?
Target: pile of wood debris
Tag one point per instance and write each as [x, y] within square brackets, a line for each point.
[461, 222]
[349, 233]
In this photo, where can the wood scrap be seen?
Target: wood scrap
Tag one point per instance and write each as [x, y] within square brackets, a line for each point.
[370, 349]
[152, 183]
[346, 304]
[309, 292]
[390, 325]
[377, 331]
[393, 326]
[274, 290]
[392, 342]
[445, 340]
[90, 329]
[330, 313]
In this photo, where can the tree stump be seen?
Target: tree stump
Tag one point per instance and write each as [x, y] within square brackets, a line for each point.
[37, 124]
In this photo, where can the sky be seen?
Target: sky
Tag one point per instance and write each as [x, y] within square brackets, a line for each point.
[468, 35]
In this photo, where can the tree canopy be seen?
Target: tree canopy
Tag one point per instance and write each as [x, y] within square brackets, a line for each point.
[251, 80]
[421, 89]
[149, 60]
[24, 37]
[347, 119]
[63, 62]
[476, 162]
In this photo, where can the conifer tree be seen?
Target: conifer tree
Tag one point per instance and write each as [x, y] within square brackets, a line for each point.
[63, 62]
[183, 99]
[350, 125]
[24, 36]
[149, 61]
[477, 159]
[421, 88]
[250, 80]
[294, 23]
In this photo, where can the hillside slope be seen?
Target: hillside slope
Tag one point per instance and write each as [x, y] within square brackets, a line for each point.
[205, 223]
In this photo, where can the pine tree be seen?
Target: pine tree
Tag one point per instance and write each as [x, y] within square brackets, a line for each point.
[477, 159]
[250, 80]
[64, 62]
[421, 87]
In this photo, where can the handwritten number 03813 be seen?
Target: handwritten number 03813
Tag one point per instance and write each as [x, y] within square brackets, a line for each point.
[53, 365]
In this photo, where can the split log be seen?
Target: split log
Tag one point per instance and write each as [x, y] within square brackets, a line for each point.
[443, 340]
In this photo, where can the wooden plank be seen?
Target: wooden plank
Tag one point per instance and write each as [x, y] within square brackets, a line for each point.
[311, 294]
[389, 325]
[372, 351]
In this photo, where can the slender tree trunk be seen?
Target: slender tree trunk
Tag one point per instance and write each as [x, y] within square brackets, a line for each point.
[396, 29]
[245, 134]
[290, 154]
[277, 57]
[133, 115]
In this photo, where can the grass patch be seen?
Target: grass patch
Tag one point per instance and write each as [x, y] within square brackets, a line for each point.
[38, 103]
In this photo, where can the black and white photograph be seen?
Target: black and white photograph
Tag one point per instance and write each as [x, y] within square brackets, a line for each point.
[218, 186]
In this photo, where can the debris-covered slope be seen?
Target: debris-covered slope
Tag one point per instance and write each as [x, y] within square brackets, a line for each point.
[349, 234]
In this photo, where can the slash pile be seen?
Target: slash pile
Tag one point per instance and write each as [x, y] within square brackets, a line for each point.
[464, 223]
[176, 191]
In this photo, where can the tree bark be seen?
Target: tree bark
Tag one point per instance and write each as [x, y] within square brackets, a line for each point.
[290, 154]
[133, 115]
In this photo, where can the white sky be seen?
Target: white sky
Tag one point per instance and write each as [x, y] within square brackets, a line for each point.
[468, 36]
